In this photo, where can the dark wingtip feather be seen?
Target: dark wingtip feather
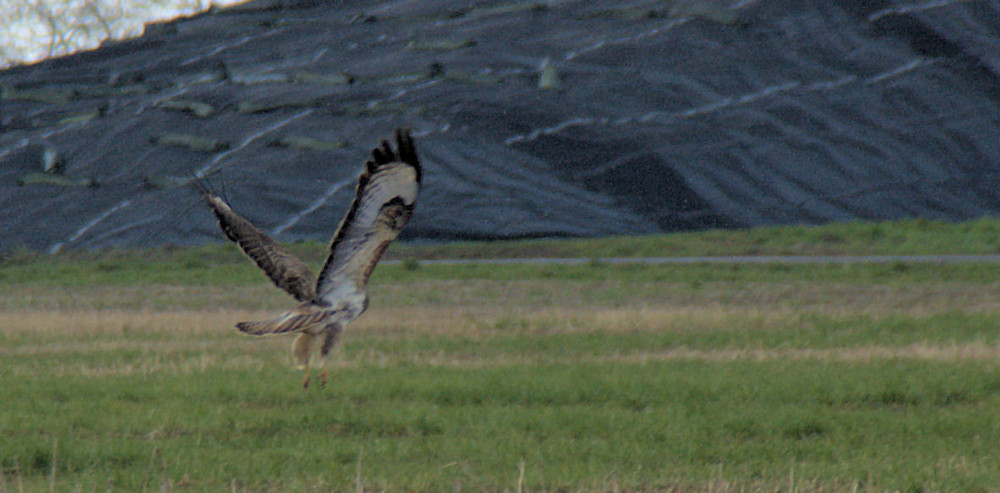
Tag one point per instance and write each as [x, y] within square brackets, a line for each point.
[383, 153]
[405, 150]
[199, 186]
[216, 205]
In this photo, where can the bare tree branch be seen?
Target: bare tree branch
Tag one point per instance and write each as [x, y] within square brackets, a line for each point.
[92, 4]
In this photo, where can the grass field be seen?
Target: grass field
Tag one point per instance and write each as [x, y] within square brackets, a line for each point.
[121, 371]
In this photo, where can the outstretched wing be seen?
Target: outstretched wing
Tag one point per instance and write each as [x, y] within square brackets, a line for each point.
[285, 270]
[383, 203]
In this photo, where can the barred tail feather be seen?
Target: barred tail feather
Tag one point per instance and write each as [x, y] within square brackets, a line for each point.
[289, 322]
[259, 328]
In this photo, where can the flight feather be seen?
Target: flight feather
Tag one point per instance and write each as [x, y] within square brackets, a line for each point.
[284, 269]
[383, 203]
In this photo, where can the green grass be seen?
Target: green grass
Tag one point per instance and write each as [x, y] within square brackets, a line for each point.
[121, 371]
[899, 425]
[906, 237]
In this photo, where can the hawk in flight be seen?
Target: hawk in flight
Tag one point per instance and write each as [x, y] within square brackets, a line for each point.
[383, 203]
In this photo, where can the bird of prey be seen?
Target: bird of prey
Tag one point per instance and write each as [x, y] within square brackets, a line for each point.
[383, 203]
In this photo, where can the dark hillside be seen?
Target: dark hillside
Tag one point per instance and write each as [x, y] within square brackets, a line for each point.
[561, 118]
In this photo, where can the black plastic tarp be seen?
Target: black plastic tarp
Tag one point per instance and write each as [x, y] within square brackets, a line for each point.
[562, 118]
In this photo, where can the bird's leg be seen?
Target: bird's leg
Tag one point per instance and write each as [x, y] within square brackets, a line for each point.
[332, 334]
[324, 375]
[302, 348]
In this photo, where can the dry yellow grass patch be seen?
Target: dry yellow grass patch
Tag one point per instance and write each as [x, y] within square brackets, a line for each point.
[197, 333]
[479, 321]
[184, 341]
[113, 322]
[516, 297]
[153, 297]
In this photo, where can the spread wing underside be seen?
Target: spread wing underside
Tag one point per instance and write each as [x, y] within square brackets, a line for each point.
[284, 269]
[383, 203]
